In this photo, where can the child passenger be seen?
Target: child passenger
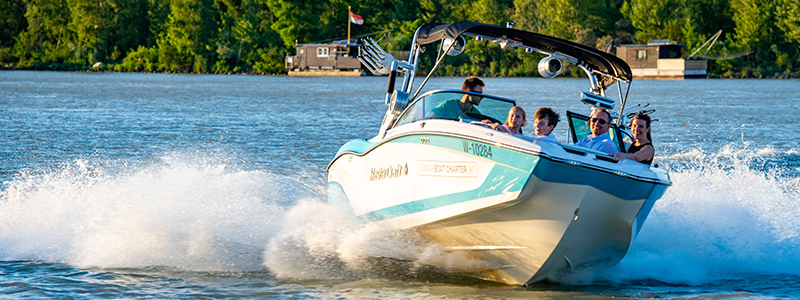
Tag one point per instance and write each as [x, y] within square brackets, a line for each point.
[515, 121]
[544, 121]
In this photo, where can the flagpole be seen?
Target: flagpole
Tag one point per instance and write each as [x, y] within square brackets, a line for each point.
[348, 25]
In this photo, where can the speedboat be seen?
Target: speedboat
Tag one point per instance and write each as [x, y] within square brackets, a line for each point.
[527, 208]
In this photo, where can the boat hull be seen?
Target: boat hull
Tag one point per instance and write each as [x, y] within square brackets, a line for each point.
[523, 209]
[556, 226]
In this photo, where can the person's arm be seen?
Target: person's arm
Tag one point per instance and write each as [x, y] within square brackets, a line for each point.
[609, 148]
[641, 155]
[504, 128]
[496, 126]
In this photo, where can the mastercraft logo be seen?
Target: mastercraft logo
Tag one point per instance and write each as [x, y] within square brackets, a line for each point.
[388, 172]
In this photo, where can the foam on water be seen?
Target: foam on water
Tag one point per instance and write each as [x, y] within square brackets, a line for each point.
[186, 212]
[316, 241]
[195, 213]
[727, 213]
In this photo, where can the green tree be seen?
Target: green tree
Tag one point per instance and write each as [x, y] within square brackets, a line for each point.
[788, 17]
[158, 12]
[241, 35]
[47, 38]
[228, 47]
[296, 20]
[269, 50]
[11, 25]
[189, 34]
[703, 18]
[755, 31]
[565, 18]
[494, 12]
[131, 27]
[90, 24]
[13, 21]
[654, 19]
[528, 16]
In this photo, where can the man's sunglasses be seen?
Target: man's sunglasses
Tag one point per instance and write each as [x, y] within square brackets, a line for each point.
[601, 121]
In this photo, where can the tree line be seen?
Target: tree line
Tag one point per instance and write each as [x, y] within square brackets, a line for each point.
[761, 37]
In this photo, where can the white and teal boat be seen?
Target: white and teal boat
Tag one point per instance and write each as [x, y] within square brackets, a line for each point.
[526, 207]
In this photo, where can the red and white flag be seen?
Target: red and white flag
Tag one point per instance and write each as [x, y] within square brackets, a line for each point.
[354, 18]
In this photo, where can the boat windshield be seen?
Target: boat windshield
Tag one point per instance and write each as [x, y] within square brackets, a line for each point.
[445, 105]
[579, 128]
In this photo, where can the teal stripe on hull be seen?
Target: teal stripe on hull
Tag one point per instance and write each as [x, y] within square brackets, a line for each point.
[509, 175]
[618, 186]
[358, 146]
[477, 149]
[338, 198]
[501, 180]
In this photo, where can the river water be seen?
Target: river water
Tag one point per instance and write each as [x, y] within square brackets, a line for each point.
[214, 186]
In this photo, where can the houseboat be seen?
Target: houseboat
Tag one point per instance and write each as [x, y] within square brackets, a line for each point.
[335, 59]
[661, 59]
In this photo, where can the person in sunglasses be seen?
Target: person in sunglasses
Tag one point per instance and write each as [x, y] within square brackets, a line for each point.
[458, 108]
[599, 140]
[642, 149]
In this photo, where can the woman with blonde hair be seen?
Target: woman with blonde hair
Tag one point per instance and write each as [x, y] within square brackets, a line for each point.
[515, 121]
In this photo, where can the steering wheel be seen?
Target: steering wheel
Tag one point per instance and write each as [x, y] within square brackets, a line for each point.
[483, 117]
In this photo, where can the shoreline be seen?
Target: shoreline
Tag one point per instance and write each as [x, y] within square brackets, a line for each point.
[89, 69]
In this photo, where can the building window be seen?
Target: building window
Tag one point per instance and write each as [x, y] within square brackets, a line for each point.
[301, 51]
[322, 52]
[641, 54]
[673, 54]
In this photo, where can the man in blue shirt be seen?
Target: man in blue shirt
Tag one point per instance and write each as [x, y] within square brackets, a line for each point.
[599, 139]
[458, 108]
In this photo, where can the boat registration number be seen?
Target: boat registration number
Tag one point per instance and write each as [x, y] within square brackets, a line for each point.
[477, 149]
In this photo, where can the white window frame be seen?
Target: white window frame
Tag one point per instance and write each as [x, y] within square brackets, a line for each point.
[322, 52]
[641, 54]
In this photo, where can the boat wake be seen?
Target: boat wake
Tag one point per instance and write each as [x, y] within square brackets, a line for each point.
[185, 212]
[728, 213]
[196, 213]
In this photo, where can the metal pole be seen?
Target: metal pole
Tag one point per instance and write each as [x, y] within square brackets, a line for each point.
[438, 61]
[348, 25]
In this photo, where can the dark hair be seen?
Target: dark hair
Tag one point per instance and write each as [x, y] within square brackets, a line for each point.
[646, 118]
[549, 113]
[601, 110]
[471, 83]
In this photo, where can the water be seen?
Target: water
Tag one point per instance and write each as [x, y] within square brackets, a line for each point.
[205, 186]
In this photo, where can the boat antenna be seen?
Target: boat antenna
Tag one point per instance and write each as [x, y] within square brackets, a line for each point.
[624, 100]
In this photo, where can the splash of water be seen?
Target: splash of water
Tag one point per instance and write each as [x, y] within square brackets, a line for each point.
[193, 213]
[725, 215]
[186, 212]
